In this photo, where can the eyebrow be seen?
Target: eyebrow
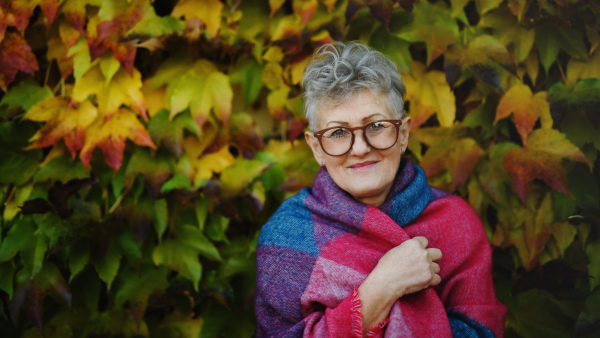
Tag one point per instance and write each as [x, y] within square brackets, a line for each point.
[363, 120]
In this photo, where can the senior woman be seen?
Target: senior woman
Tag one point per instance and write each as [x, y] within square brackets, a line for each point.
[371, 249]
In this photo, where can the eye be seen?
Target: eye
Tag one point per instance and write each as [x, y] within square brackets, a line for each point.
[376, 126]
[337, 133]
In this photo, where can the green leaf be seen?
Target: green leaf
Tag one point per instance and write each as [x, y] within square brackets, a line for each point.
[108, 266]
[7, 272]
[194, 238]
[129, 246]
[249, 76]
[216, 227]
[550, 37]
[238, 176]
[170, 133]
[484, 6]
[180, 258]
[18, 238]
[593, 252]
[433, 24]
[17, 166]
[162, 217]
[509, 32]
[79, 257]
[588, 322]
[138, 287]
[156, 26]
[179, 182]
[25, 94]
[61, 168]
[33, 257]
[394, 48]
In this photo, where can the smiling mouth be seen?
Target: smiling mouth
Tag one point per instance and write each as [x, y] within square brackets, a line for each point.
[363, 165]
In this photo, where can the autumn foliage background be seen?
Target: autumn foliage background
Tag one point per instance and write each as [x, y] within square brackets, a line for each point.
[143, 144]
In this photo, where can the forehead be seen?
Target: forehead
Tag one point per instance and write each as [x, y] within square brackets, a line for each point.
[362, 107]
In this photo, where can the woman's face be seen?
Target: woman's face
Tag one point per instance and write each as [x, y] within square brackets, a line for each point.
[364, 172]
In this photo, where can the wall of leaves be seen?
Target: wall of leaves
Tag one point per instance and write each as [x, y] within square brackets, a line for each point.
[144, 143]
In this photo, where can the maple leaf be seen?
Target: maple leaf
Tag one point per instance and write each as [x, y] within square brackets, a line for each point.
[110, 137]
[110, 27]
[550, 38]
[245, 134]
[203, 89]
[170, 132]
[305, 9]
[18, 12]
[577, 70]
[203, 166]
[583, 97]
[449, 151]
[507, 30]
[429, 93]
[122, 89]
[541, 158]
[526, 108]
[433, 25]
[207, 11]
[481, 57]
[15, 56]
[63, 121]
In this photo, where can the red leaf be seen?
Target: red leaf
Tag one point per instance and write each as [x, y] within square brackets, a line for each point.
[382, 11]
[541, 158]
[15, 56]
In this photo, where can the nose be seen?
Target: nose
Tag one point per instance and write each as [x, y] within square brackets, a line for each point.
[360, 146]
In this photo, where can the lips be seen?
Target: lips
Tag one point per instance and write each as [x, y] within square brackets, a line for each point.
[363, 165]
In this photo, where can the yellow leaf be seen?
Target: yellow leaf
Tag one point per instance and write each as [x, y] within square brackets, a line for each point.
[240, 174]
[273, 54]
[208, 11]
[532, 66]
[286, 27]
[109, 67]
[429, 93]
[204, 166]
[275, 5]
[305, 9]
[525, 107]
[297, 69]
[277, 100]
[201, 89]
[63, 121]
[156, 99]
[577, 70]
[110, 137]
[272, 75]
[81, 58]
[122, 89]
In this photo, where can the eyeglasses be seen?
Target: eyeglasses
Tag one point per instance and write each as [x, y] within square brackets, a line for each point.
[337, 141]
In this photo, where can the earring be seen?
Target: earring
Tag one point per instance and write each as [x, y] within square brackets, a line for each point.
[322, 164]
[402, 152]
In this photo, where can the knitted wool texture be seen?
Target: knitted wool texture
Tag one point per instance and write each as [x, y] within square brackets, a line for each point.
[321, 244]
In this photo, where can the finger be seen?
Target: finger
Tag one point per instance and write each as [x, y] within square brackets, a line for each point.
[435, 267]
[435, 254]
[435, 280]
[422, 240]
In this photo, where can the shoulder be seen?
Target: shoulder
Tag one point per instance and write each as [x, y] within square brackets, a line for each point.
[291, 225]
[453, 218]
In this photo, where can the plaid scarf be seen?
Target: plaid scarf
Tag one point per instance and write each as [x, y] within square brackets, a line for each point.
[321, 244]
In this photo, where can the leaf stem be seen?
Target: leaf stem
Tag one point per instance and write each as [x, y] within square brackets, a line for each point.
[116, 204]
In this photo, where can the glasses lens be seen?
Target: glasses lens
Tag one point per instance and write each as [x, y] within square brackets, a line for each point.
[381, 134]
[336, 141]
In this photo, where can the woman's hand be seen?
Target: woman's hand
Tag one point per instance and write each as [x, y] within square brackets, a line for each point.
[408, 268]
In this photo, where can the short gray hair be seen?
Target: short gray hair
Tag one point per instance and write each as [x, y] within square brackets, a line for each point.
[338, 71]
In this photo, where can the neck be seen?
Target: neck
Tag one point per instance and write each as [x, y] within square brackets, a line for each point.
[376, 200]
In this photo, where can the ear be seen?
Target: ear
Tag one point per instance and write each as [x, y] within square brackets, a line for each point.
[314, 145]
[404, 131]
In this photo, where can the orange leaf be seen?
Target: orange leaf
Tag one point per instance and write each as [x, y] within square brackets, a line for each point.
[541, 158]
[525, 106]
[15, 56]
[429, 93]
[122, 89]
[110, 137]
[208, 11]
[63, 121]
[305, 9]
